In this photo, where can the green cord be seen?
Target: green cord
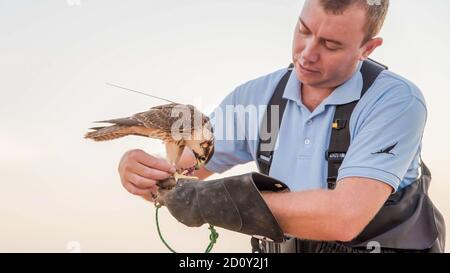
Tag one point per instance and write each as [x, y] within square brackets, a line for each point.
[212, 236]
[159, 231]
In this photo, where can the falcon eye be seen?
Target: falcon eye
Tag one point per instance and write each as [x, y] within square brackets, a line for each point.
[203, 158]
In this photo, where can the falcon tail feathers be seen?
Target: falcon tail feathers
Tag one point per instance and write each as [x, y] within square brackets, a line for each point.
[121, 121]
[107, 133]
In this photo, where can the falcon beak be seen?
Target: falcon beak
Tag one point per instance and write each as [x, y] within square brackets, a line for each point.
[203, 159]
[199, 163]
[210, 155]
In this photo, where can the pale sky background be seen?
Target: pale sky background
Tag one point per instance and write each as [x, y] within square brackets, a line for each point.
[59, 190]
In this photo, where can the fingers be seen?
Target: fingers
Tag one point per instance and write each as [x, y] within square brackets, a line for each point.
[150, 173]
[135, 190]
[154, 162]
[139, 173]
[147, 194]
[139, 181]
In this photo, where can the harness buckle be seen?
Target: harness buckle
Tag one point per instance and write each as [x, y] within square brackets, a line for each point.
[331, 182]
[264, 159]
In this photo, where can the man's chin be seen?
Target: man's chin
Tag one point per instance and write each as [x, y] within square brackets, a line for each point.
[310, 81]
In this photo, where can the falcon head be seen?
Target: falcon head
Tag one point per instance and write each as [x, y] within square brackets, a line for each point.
[204, 153]
[202, 143]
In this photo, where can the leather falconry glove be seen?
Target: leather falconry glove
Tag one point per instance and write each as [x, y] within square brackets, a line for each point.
[234, 203]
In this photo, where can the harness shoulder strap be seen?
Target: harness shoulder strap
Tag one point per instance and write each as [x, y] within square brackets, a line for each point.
[264, 156]
[340, 134]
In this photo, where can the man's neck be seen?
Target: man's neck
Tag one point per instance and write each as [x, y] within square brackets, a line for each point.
[313, 97]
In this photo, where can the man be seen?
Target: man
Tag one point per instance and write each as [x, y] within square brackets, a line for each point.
[331, 39]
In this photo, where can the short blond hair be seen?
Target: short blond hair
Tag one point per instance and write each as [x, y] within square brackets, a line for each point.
[376, 11]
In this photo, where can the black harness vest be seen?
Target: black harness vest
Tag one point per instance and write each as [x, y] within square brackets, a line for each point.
[408, 221]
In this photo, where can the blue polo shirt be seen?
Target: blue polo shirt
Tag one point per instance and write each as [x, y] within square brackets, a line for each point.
[386, 131]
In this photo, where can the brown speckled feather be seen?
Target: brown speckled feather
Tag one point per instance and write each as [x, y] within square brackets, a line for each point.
[115, 131]
[164, 116]
[158, 123]
[158, 117]
[155, 123]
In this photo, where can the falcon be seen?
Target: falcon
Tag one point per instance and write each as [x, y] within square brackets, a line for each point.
[177, 125]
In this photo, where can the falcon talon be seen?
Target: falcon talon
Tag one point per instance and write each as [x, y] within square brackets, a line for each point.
[167, 184]
[155, 199]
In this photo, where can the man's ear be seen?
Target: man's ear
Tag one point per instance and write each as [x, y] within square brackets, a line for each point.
[370, 46]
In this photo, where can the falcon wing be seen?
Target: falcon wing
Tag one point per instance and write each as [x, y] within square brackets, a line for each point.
[162, 118]
[122, 127]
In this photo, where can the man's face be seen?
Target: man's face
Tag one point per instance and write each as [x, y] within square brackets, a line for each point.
[327, 47]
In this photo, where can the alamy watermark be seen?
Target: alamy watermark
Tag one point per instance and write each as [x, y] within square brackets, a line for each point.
[73, 247]
[374, 246]
[227, 122]
[374, 2]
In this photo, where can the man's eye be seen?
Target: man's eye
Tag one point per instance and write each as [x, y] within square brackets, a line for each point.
[331, 46]
[303, 30]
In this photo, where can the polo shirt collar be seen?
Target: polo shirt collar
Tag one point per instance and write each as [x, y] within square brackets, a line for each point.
[347, 92]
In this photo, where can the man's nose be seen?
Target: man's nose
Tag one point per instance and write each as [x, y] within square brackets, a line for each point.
[310, 53]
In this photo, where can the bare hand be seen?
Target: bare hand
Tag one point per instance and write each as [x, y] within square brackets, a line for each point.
[139, 173]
